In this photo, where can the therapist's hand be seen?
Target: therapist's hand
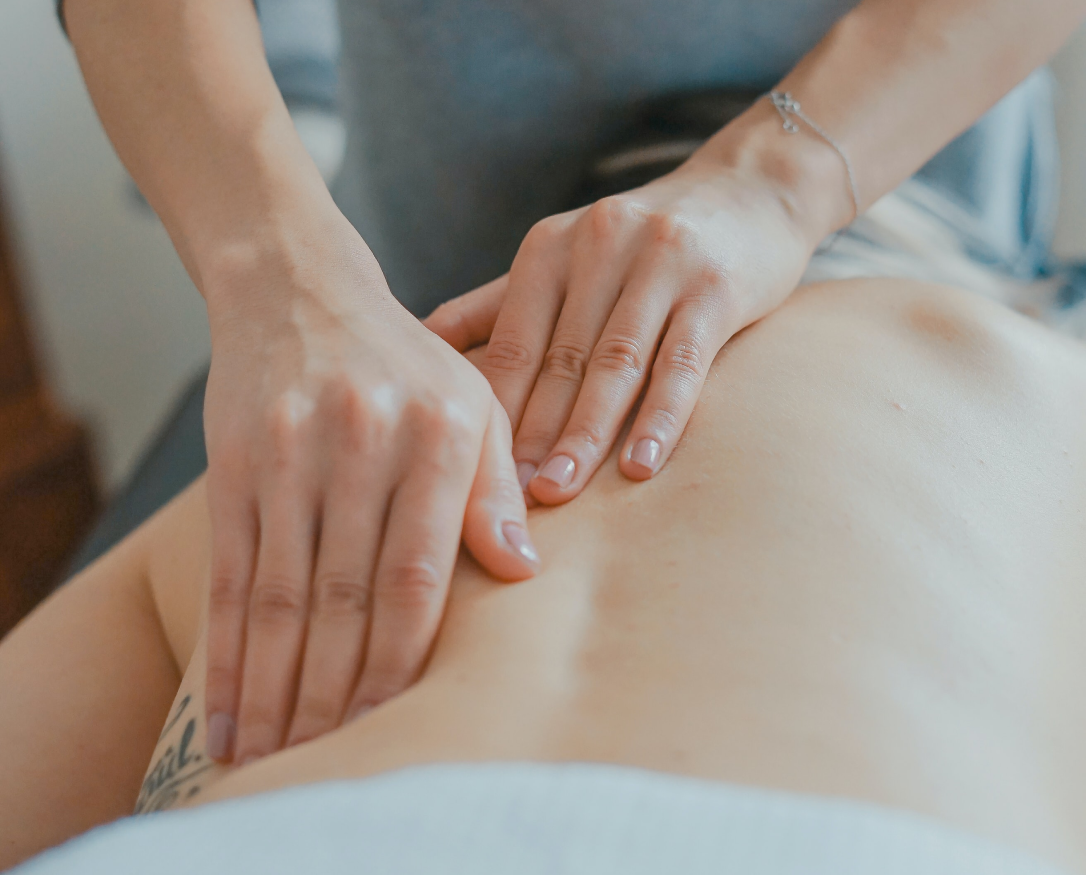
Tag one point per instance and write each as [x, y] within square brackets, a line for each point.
[637, 290]
[348, 446]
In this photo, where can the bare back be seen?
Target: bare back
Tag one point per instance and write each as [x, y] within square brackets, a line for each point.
[861, 574]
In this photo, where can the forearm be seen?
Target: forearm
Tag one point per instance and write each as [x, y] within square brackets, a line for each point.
[185, 94]
[892, 83]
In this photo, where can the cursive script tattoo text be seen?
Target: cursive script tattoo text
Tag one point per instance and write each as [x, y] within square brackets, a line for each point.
[174, 773]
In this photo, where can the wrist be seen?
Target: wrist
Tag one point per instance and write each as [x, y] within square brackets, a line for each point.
[270, 236]
[253, 194]
[805, 174]
[268, 222]
[294, 261]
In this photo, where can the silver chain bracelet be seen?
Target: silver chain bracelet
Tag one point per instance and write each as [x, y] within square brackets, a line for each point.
[788, 107]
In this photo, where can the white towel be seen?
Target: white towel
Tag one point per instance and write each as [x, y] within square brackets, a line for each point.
[532, 819]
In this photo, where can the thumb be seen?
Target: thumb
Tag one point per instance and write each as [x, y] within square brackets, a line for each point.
[495, 522]
[468, 321]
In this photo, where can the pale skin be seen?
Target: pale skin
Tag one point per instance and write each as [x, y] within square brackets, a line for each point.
[350, 449]
[860, 576]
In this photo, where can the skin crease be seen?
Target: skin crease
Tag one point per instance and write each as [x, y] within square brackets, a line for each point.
[860, 575]
[309, 345]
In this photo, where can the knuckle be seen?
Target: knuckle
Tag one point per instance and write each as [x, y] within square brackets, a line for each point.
[684, 361]
[426, 416]
[414, 586]
[607, 217]
[340, 596]
[507, 354]
[227, 593]
[566, 360]
[663, 421]
[282, 421]
[587, 434]
[345, 405]
[711, 276]
[505, 492]
[443, 425]
[621, 355]
[362, 419]
[671, 231]
[277, 599]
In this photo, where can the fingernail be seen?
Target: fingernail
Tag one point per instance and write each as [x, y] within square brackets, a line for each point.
[525, 472]
[221, 732]
[646, 453]
[559, 470]
[517, 537]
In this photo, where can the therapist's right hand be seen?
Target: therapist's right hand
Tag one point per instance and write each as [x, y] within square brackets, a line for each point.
[349, 450]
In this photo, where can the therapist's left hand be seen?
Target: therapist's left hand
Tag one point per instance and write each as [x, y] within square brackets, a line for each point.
[642, 287]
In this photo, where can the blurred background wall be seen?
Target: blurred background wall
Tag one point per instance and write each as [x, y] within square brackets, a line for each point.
[119, 326]
[117, 322]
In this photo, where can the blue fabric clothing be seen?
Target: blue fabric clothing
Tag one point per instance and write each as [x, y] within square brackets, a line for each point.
[469, 120]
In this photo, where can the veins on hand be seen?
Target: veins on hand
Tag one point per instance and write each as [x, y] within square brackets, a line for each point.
[174, 774]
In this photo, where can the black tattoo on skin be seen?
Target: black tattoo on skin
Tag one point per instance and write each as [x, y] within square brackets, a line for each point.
[175, 771]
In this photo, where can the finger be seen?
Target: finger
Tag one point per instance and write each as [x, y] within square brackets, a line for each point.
[278, 607]
[352, 527]
[678, 375]
[495, 522]
[234, 535]
[599, 263]
[421, 543]
[616, 374]
[523, 329]
[468, 321]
